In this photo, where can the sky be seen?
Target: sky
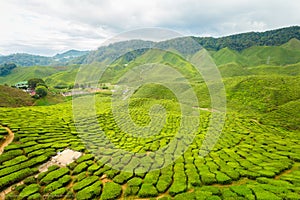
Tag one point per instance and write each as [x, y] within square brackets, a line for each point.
[47, 27]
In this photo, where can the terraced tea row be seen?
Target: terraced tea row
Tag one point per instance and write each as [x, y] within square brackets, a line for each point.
[249, 161]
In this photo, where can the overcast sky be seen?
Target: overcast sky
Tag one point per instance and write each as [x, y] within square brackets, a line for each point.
[47, 27]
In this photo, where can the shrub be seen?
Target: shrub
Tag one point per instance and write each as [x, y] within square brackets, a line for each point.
[29, 180]
[19, 188]
[177, 187]
[202, 195]
[80, 176]
[57, 184]
[185, 196]
[228, 194]
[80, 168]
[208, 178]
[58, 194]
[15, 160]
[233, 174]
[152, 177]
[111, 173]
[249, 174]
[15, 177]
[41, 91]
[164, 183]
[52, 186]
[85, 158]
[93, 168]
[54, 175]
[280, 183]
[8, 155]
[222, 178]
[241, 190]
[27, 191]
[213, 198]
[147, 190]
[90, 192]
[111, 191]
[266, 173]
[261, 194]
[135, 182]
[193, 178]
[122, 177]
[213, 190]
[102, 170]
[26, 164]
[132, 190]
[36, 196]
[85, 182]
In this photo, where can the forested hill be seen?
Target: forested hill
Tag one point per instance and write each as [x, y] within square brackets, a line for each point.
[243, 41]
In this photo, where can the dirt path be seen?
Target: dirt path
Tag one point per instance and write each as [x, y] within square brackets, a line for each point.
[8, 139]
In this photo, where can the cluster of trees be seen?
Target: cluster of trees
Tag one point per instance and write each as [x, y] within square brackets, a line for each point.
[243, 41]
[6, 68]
[39, 86]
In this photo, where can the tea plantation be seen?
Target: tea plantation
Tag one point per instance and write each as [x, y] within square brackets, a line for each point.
[251, 160]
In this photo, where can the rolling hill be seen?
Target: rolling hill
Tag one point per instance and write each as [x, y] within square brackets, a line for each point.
[25, 73]
[12, 97]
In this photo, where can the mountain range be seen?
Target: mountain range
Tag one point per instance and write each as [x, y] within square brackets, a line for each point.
[229, 46]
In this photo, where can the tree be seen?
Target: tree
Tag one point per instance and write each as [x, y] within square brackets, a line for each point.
[34, 82]
[41, 91]
[7, 68]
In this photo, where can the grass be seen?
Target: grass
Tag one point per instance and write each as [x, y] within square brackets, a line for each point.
[11, 97]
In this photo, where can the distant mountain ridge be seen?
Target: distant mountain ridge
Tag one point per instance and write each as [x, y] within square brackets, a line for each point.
[235, 43]
[24, 59]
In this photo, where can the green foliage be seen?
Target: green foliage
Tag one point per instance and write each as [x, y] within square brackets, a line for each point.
[85, 182]
[34, 82]
[241, 190]
[147, 190]
[10, 155]
[6, 69]
[85, 157]
[111, 191]
[177, 187]
[59, 193]
[27, 191]
[57, 184]
[80, 168]
[122, 177]
[28, 163]
[186, 196]
[54, 175]
[41, 91]
[90, 192]
[15, 177]
[222, 178]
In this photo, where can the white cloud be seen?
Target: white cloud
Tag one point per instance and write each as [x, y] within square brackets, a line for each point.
[51, 26]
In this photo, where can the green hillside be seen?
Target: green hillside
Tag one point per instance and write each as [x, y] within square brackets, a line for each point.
[271, 56]
[261, 94]
[25, 73]
[11, 97]
[293, 44]
[226, 55]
